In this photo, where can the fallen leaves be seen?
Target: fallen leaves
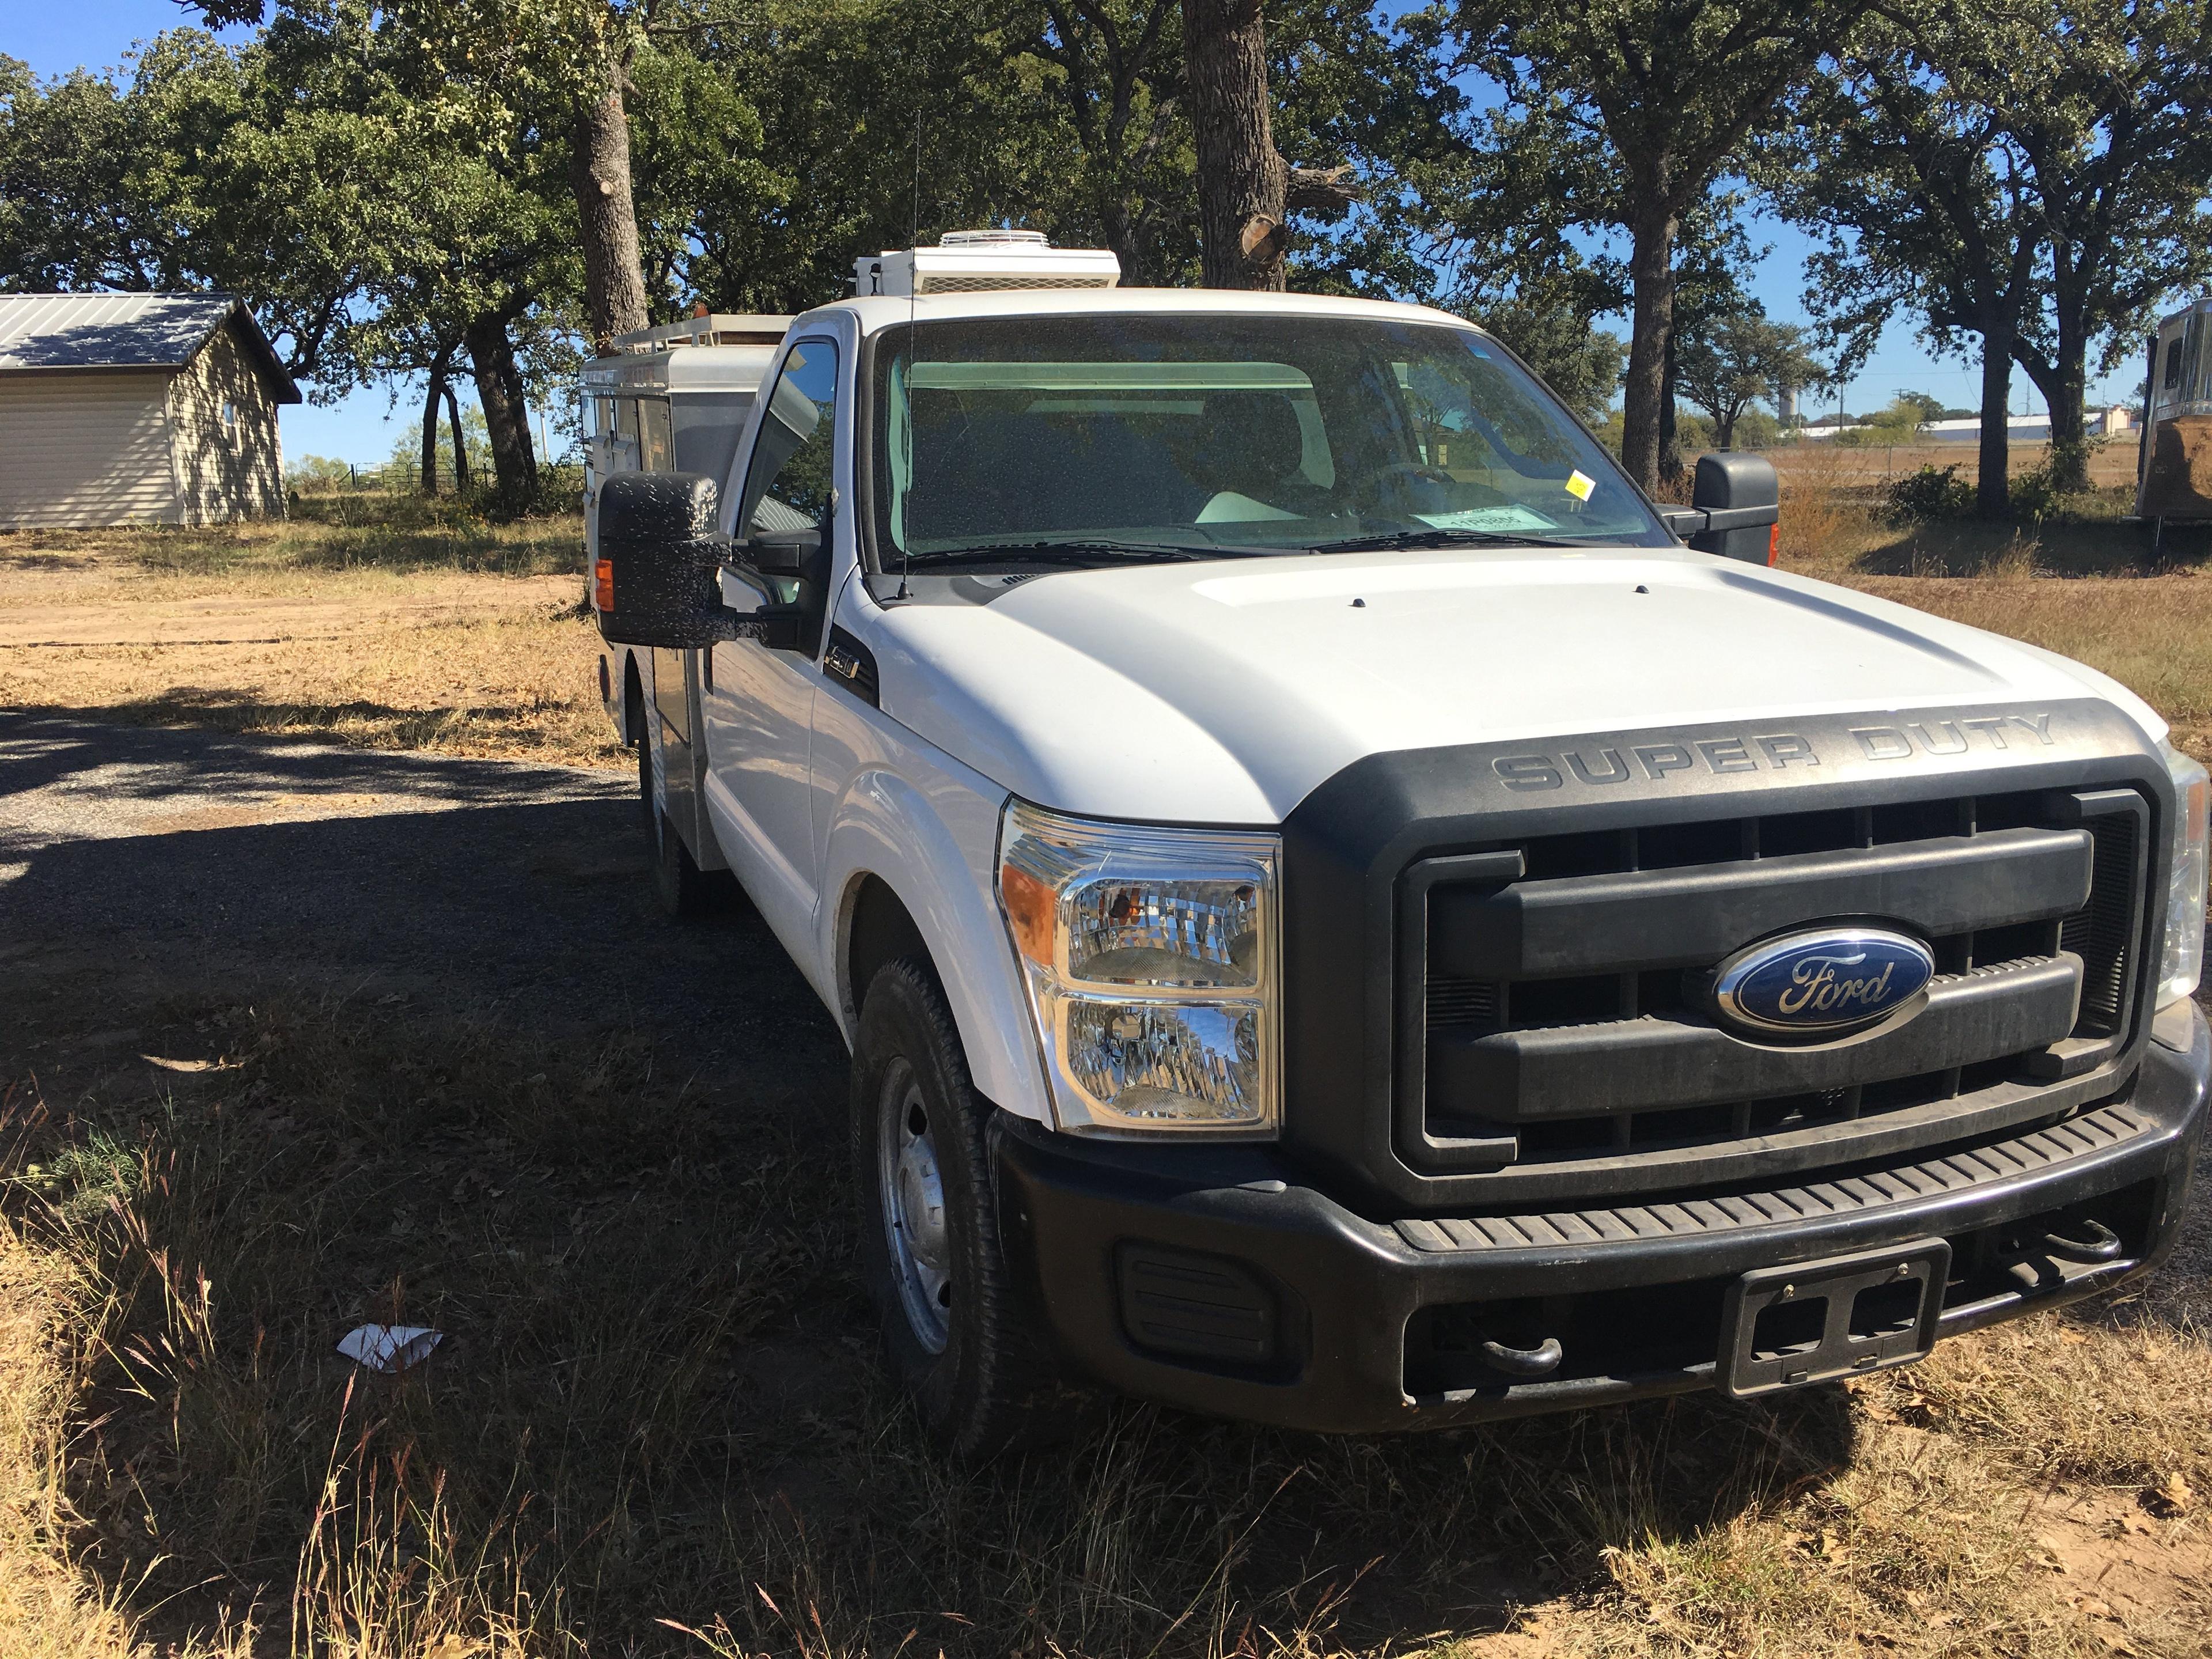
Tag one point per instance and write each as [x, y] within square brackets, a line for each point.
[2171, 1498]
[168, 1065]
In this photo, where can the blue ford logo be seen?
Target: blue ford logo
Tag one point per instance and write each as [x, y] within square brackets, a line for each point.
[1821, 983]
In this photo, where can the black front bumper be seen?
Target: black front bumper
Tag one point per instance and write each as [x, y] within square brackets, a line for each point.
[1222, 1282]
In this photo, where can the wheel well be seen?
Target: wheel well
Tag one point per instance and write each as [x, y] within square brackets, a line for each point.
[880, 931]
[633, 700]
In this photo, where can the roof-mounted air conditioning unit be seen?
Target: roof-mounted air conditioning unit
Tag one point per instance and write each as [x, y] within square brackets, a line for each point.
[982, 261]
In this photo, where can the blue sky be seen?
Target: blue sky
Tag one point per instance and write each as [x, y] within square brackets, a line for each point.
[55, 36]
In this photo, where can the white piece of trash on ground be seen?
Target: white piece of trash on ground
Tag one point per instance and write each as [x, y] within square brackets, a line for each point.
[390, 1347]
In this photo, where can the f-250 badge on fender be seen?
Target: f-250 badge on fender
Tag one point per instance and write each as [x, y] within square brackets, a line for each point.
[1822, 983]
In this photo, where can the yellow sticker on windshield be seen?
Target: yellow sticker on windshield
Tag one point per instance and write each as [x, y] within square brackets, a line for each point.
[1580, 485]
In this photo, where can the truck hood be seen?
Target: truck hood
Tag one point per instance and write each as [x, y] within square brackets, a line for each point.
[1224, 692]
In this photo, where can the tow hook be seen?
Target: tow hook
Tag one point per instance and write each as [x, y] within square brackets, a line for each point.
[2102, 1244]
[1539, 1361]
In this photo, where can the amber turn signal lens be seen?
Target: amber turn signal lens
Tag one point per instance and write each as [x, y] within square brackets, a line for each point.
[1030, 905]
[603, 585]
[1774, 544]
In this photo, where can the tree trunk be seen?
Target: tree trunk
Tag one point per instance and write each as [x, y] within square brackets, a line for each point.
[1670, 433]
[1651, 271]
[614, 276]
[430, 426]
[2070, 436]
[1119, 226]
[460, 441]
[1992, 496]
[1241, 178]
[1724, 430]
[507, 415]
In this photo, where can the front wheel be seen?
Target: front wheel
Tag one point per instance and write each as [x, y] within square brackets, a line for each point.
[683, 888]
[959, 1337]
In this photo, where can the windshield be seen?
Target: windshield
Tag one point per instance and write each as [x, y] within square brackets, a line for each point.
[1210, 434]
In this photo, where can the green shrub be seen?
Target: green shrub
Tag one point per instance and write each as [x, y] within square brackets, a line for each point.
[2033, 495]
[1923, 497]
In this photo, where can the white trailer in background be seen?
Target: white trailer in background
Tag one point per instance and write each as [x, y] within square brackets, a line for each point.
[674, 398]
[2173, 458]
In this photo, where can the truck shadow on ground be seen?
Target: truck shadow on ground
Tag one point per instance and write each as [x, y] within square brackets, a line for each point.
[190, 708]
[445, 1065]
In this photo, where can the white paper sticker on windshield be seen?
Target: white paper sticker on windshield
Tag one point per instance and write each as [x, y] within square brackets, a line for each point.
[1579, 485]
[1509, 517]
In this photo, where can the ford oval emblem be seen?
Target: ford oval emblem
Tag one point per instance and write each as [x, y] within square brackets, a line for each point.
[1821, 983]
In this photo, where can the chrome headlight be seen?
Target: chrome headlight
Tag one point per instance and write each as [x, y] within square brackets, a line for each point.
[1150, 957]
[2182, 963]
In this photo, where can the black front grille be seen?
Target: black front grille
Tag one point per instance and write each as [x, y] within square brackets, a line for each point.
[1563, 1013]
[2099, 930]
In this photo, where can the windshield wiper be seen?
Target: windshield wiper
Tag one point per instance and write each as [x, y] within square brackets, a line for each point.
[1084, 552]
[1455, 538]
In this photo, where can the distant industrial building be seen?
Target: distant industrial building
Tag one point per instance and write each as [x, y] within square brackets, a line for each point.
[2021, 429]
[122, 409]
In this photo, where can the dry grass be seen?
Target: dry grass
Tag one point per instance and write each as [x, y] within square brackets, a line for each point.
[658, 1403]
[419, 631]
[2112, 465]
[2086, 585]
[47, 1611]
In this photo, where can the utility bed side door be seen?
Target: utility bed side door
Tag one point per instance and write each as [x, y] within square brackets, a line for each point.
[759, 703]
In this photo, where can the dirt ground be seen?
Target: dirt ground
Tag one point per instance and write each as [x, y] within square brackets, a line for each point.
[467, 643]
[325, 1004]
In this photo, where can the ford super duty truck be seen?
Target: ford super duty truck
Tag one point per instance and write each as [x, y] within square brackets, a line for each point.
[1341, 916]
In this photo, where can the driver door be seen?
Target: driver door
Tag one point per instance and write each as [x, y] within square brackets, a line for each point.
[758, 702]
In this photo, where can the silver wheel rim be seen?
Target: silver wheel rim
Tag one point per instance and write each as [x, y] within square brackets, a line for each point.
[913, 1191]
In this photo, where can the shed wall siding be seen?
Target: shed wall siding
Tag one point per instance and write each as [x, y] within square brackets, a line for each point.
[85, 450]
[225, 469]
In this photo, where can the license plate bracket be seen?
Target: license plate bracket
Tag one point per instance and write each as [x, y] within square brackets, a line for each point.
[1812, 1322]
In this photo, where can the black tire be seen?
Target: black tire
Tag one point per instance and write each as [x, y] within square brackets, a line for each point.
[648, 809]
[685, 892]
[982, 1375]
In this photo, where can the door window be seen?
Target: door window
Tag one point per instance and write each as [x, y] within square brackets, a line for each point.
[789, 485]
[656, 447]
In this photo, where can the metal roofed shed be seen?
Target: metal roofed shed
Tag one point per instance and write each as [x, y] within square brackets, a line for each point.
[121, 408]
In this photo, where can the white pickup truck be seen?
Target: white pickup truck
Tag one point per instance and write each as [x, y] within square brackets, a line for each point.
[1342, 918]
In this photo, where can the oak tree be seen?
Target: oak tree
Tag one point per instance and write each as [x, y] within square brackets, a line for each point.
[1667, 93]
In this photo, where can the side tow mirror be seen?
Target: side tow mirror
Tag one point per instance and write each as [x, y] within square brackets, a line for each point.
[654, 582]
[1737, 508]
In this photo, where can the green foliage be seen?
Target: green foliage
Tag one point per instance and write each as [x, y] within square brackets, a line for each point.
[2041, 492]
[316, 473]
[2026, 179]
[1757, 429]
[64, 155]
[1898, 423]
[1644, 105]
[1928, 497]
[1581, 364]
[406, 459]
[1724, 361]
